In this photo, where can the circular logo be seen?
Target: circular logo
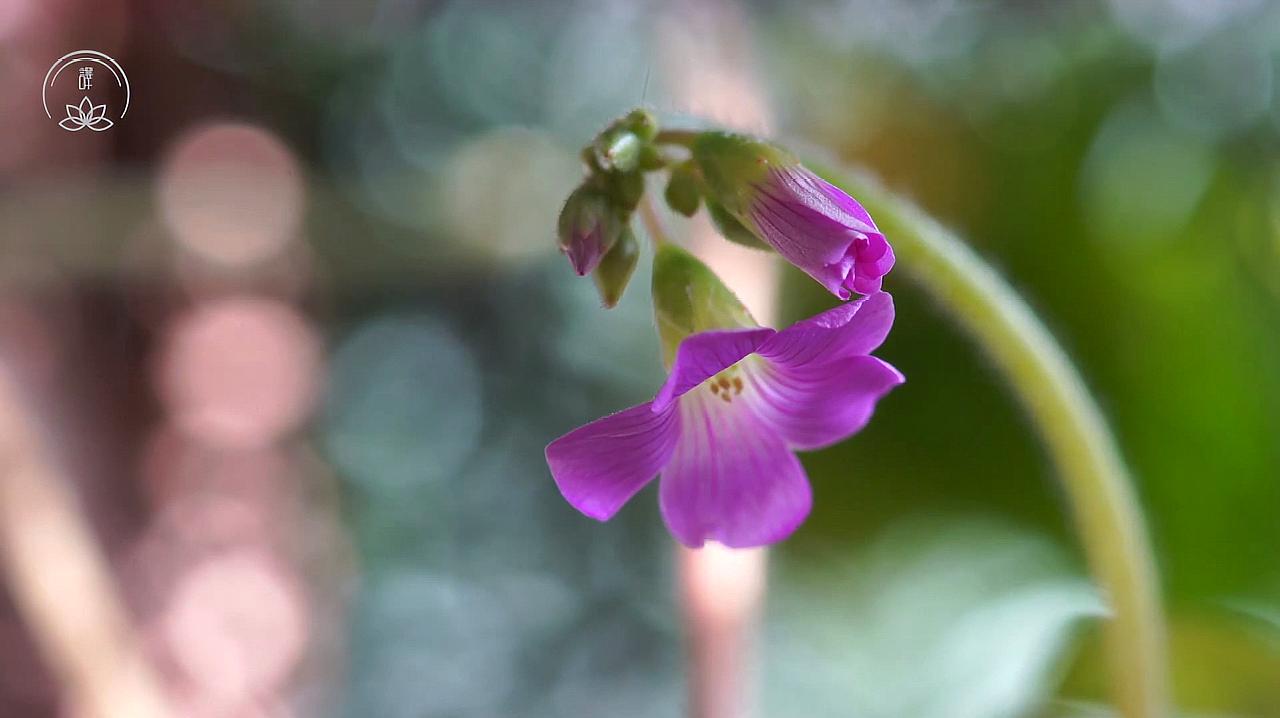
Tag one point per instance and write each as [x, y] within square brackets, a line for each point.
[93, 87]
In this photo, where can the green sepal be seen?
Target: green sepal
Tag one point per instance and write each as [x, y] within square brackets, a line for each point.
[689, 298]
[616, 267]
[731, 229]
[651, 158]
[733, 167]
[683, 191]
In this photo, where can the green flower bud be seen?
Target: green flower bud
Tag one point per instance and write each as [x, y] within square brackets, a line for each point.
[616, 268]
[643, 123]
[619, 150]
[733, 166]
[731, 228]
[588, 228]
[683, 192]
[688, 298]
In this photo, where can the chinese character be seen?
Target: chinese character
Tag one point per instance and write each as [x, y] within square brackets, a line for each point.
[86, 78]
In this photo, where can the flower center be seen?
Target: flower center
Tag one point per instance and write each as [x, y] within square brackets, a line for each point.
[727, 384]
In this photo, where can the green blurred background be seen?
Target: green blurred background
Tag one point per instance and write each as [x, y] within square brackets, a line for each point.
[297, 327]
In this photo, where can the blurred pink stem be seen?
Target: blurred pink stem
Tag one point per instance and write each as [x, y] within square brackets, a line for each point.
[706, 47]
[61, 582]
[721, 592]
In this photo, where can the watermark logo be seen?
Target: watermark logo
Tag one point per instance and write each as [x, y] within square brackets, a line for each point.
[100, 92]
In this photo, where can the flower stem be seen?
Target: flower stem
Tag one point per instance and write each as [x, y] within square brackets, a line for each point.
[683, 138]
[1108, 517]
[652, 223]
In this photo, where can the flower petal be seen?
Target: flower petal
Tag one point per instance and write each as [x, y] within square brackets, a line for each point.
[98, 112]
[822, 230]
[585, 251]
[101, 124]
[814, 243]
[873, 258]
[847, 204]
[703, 355]
[850, 329]
[72, 124]
[731, 478]
[598, 467]
[813, 224]
[86, 108]
[818, 404]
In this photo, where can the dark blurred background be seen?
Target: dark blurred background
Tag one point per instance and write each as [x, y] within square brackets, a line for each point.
[295, 333]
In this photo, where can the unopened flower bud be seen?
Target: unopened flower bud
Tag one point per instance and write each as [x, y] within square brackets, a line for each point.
[642, 123]
[616, 267]
[683, 194]
[588, 228]
[619, 150]
[688, 298]
[810, 222]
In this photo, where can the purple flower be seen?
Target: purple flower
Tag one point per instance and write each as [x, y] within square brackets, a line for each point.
[810, 222]
[723, 428]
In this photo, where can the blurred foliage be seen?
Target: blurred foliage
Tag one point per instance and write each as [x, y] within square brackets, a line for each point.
[1153, 285]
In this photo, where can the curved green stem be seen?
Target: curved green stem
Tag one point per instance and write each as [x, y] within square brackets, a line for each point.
[1106, 509]
[682, 138]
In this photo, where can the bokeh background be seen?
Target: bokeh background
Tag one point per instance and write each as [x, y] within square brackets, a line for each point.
[294, 334]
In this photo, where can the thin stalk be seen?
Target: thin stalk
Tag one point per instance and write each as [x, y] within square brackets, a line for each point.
[721, 592]
[1107, 515]
[652, 223]
[61, 581]
[682, 138]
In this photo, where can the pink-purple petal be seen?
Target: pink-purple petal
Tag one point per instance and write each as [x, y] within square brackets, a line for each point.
[873, 258]
[703, 355]
[585, 251]
[847, 204]
[819, 404]
[600, 466]
[849, 329]
[822, 230]
[808, 246]
[731, 479]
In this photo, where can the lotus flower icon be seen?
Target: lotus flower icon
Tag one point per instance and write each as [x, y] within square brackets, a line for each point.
[86, 114]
